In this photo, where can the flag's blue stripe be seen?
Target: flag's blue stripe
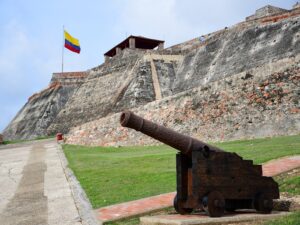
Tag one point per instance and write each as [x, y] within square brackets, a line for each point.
[72, 45]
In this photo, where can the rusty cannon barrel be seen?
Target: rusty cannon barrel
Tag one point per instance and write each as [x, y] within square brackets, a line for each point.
[185, 144]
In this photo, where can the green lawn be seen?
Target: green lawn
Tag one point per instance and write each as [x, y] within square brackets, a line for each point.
[289, 182]
[265, 149]
[113, 175]
[292, 186]
[21, 141]
[293, 219]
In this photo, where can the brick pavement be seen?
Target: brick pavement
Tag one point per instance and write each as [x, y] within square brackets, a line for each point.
[275, 167]
[137, 207]
[142, 206]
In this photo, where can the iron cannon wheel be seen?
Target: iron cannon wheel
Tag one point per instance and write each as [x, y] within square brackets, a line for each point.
[262, 203]
[178, 205]
[214, 204]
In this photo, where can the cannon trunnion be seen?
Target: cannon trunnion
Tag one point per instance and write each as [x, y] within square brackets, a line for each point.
[207, 177]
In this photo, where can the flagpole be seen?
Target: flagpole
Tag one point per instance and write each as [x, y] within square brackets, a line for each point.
[62, 55]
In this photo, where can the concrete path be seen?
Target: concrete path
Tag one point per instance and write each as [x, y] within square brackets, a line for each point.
[34, 189]
[138, 207]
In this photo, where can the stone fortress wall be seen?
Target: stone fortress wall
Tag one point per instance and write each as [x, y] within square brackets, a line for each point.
[133, 79]
[260, 102]
[240, 82]
[230, 84]
[42, 107]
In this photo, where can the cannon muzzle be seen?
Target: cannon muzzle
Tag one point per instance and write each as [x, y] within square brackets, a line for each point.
[183, 143]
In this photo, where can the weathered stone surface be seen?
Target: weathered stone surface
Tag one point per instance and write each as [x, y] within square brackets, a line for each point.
[41, 109]
[236, 50]
[125, 82]
[255, 103]
[166, 74]
[267, 10]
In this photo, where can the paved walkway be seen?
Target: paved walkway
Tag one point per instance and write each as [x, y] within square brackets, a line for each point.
[34, 189]
[142, 206]
[278, 166]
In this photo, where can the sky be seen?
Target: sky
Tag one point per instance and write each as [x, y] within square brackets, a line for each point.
[31, 35]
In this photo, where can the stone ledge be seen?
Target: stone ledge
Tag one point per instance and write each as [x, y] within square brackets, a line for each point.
[201, 218]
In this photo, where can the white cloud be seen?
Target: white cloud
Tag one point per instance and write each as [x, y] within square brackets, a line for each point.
[154, 19]
[177, 21]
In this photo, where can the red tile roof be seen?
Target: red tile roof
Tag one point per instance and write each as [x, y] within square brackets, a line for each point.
[140, 42]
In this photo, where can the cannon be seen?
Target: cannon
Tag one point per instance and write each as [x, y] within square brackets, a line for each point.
[208, 178]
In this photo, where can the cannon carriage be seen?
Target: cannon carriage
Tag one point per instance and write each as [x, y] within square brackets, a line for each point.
[207, 177]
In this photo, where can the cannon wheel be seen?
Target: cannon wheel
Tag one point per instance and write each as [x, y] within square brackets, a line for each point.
[179, 208]
[263, 203]
[214, 204]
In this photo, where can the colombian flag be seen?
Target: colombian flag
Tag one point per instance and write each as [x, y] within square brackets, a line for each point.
[71, 43]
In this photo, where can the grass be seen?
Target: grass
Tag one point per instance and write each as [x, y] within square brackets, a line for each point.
[289, 182]
[128, 221]
[264, 149]
[113, 175]
[293, 219]
[13, 142]
[291, 185]
[21, 141]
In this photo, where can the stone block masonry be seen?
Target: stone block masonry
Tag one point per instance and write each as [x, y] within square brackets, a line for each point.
[42, 108]
[236, 50]
[130, 80]
[266, 11]
[257, 103]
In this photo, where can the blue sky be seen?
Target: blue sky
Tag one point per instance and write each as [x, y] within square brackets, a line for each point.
[31, 35]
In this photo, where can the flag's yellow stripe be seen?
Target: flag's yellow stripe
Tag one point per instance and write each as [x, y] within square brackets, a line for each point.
[71, 39]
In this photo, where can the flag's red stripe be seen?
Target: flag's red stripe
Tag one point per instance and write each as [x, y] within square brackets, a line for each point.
[72, 47]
